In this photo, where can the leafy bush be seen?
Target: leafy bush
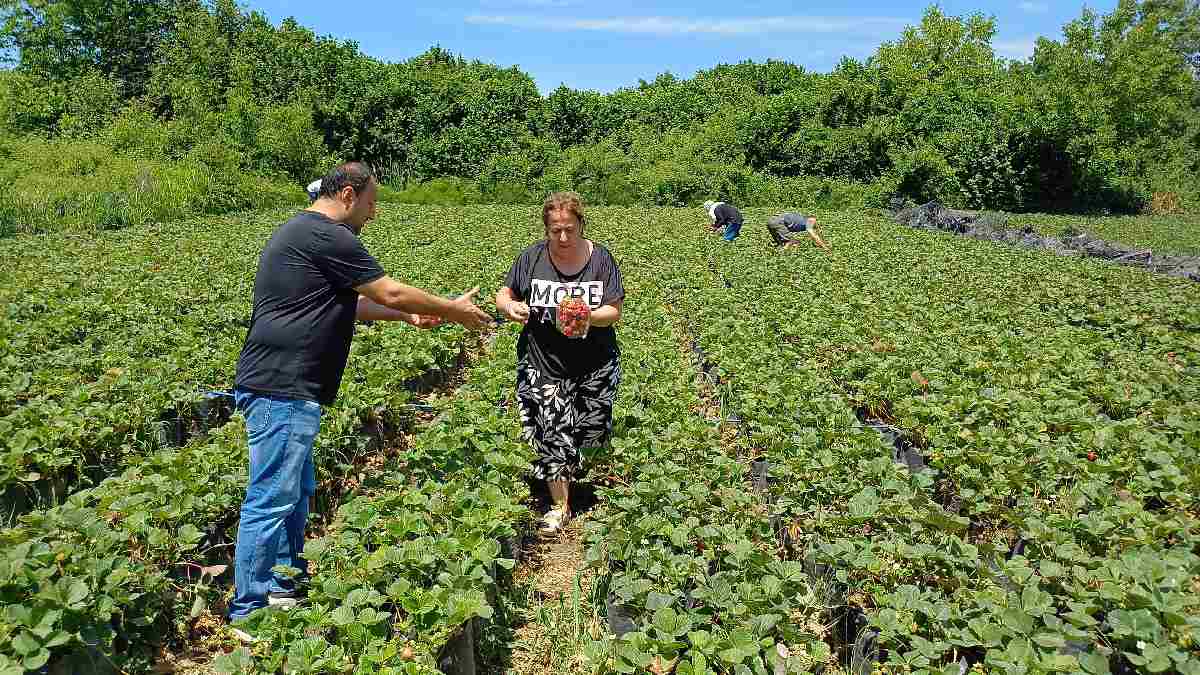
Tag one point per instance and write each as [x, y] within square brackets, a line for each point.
[1099, 121]
[28, 105]
[287, 143]
[923, 174]
[599, 172]
[85, 185]
[440, 191]
[135, 131]
[91, 102]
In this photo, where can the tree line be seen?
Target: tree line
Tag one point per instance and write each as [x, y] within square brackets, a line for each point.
[1105, 119]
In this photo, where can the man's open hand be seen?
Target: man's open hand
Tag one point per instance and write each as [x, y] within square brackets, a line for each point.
[466, 313]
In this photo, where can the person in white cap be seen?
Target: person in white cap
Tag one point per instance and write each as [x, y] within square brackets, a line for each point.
[313, 190]
[725, 216]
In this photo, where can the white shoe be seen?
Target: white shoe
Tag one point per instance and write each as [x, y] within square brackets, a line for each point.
[242, 636]
[282, 600]
[555, 520]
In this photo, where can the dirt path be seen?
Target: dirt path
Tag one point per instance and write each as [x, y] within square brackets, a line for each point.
[555, 615]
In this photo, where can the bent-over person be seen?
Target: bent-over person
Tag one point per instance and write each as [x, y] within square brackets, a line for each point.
[725, 217]
[784, 225]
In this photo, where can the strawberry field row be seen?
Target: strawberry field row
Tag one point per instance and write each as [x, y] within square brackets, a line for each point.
[684, 548]
[131, 564]
[167, 520]
[1055, 527]
[415, 559]
[114, 344]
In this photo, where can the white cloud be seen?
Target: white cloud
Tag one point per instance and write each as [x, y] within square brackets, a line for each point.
[662, 25]
[541, 4]
[1033, 7]
[1021, 48]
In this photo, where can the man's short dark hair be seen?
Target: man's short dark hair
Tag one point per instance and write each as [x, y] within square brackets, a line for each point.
[353, 174]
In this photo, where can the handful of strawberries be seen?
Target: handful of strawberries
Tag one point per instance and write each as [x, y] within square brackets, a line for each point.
[574, 317]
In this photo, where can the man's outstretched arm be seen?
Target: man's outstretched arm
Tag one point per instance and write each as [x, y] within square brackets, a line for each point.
[369, 310]
[392, 294]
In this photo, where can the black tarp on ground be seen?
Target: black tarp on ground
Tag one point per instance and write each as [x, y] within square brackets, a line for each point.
[934, 216]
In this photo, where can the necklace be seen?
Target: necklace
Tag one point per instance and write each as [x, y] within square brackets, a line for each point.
[571, 265]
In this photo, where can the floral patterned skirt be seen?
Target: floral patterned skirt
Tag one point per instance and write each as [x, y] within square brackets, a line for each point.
[561, 416]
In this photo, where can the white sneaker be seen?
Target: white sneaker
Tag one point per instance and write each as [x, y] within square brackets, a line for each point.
[282, 600]
[242, 636]
[554, 520]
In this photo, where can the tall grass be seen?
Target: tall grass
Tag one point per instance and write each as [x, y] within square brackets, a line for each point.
[676, 187]
[64, 185]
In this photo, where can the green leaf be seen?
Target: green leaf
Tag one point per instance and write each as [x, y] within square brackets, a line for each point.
[763, 623]
[487, 550]
[865, 504]
[887, 619]
[1034, 600]
[36, 661]
[237, 662]
[743, 646]
[188, 536]
[342, 616]
[25, 643]
[1094, 663]
[57, 639]
[700, 639]
[1062, 663]
[1051, 569]
[1018, 621]
[1158, 659]
[656, 601]
[1139, 624]
[358, 596]
[1049, 640]
[670, 623]
[77, 594]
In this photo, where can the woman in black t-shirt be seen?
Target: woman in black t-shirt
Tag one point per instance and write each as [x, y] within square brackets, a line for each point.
[565, 385]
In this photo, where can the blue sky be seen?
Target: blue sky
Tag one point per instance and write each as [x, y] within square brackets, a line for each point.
[589, 44]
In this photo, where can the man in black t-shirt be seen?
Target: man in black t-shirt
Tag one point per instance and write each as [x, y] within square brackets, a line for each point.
[314, 280]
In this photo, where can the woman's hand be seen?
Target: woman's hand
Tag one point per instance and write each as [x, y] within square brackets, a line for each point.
[510, 308]
[607, 315]
[515, 311]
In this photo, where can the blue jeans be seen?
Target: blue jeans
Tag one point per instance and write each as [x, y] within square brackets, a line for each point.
[732, 230]
[281, 433]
